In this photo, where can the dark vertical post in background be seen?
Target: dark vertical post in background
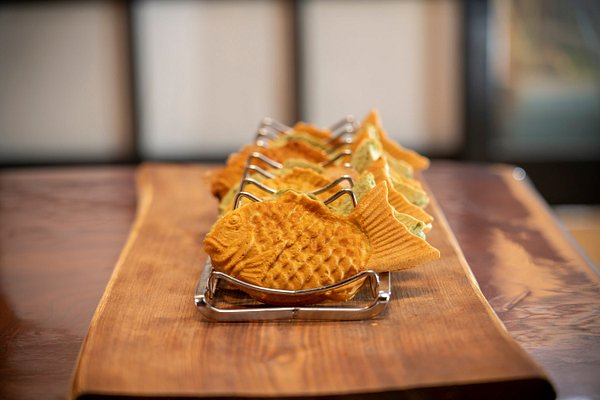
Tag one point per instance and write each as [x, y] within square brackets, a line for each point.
[477, 97]
[134, 104]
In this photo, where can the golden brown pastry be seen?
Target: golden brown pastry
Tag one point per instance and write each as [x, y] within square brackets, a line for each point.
[400, 203]
[417, 161]
[295, 242]
[228, 176]
[303, 180]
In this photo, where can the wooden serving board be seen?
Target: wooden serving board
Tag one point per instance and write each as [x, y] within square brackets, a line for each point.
[438, 338]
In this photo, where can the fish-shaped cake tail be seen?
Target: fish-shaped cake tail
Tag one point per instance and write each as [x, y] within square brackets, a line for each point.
[391, 147]
[393, 246]
[396, 199]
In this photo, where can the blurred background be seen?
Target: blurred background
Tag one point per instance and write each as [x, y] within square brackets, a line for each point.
[487, 81]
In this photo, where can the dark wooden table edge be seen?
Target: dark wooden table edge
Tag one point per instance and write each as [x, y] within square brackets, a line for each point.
[528, 388]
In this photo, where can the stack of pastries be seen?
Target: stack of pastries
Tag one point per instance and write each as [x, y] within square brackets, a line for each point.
[296, 234]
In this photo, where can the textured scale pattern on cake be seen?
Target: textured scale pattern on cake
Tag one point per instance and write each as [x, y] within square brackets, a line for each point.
[296, 242]
[317, 253]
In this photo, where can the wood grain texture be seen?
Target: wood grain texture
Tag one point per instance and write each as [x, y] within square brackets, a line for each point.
[438, 336]
[76, 220]
[542, 288]
[61, 232]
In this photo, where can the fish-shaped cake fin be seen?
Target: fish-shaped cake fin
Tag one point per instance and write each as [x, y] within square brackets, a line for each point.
[398, 200]
[393, 246]
[392, 148]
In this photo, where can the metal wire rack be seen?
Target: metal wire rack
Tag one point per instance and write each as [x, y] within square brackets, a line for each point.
[221, 297]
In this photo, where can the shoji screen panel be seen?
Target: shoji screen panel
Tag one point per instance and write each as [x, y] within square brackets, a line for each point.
[399, 56]
[208, 71]
[64, 90]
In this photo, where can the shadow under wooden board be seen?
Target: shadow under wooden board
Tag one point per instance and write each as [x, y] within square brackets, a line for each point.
[438, 337]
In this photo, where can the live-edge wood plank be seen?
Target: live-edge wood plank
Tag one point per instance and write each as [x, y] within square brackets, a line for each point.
[147, 338]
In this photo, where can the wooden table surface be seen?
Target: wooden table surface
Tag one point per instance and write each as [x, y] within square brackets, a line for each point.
[62, 229]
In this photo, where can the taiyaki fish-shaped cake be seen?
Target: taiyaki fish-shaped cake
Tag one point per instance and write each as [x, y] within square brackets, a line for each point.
[321, 138]
[295, 242]
[227, 177]
[302, 142]
[302, 234]
[303, 180]
[323, 135]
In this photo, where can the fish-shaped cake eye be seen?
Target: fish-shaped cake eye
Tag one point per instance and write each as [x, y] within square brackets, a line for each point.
[235, 221]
